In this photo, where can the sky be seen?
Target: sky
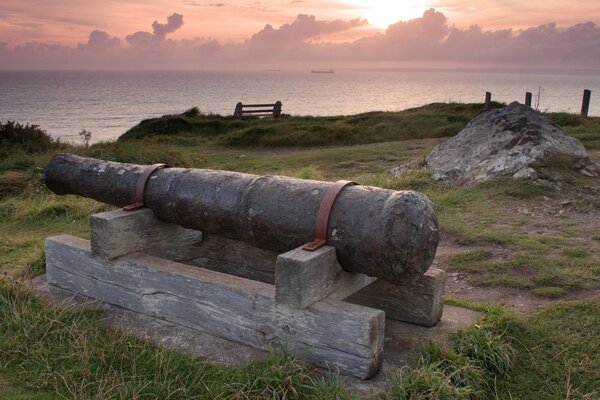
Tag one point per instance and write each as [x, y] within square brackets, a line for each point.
[235, 34]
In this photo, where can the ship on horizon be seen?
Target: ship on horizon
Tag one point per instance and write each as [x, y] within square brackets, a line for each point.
[322, 71]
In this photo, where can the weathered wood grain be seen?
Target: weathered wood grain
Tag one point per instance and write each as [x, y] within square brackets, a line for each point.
[305, 277]
[418, 301]
[232, 257]
[329, 333]
[116, 233]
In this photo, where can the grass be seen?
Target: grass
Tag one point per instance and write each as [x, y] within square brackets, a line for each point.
[527, 270]
[48, 352]
[551, 292]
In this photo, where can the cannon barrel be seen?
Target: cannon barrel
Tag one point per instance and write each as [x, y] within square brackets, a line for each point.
[384, 233]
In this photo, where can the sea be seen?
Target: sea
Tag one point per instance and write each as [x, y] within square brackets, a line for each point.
[108, 103]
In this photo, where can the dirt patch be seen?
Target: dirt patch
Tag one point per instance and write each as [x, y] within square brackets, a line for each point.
[566, 220]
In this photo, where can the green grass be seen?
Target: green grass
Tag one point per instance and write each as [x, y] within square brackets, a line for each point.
[467, 261]
[527, 270]
[551, 292]
[549, 354]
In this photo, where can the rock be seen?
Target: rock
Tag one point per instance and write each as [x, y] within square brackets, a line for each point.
[513, 141]
[397, 171]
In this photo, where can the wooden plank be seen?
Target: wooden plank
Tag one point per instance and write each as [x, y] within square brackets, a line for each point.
[116, 233]
[418, 301]
[232, 257]
[259, 105]
[330, 333]
[257, 111]
[304, 277]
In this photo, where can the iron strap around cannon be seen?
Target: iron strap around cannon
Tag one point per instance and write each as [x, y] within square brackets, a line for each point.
[140, 186]
[324, 214]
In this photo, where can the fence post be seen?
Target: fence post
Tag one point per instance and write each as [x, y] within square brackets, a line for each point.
[585, 105]
[238, 110]
[488, 100]
[528, 97]
[277, 109]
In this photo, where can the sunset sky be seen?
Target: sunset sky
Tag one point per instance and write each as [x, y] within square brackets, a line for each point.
[215, 33]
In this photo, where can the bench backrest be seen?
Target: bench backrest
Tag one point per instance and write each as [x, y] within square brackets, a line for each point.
[260, 110]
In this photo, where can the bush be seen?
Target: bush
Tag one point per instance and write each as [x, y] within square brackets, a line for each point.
[28, 138]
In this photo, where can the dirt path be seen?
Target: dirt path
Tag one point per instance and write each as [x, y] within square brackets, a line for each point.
[517, 300]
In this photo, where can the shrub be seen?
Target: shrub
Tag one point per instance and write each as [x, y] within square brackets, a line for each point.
[28, 138]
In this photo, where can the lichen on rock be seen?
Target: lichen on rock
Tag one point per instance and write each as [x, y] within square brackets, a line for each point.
[513, 141]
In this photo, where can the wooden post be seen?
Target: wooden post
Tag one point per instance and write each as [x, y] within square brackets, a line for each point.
[238, 110]
[488, 100]
[304, 277]
[585, 105]
[277, 109]
[417, 301]
[528, 97]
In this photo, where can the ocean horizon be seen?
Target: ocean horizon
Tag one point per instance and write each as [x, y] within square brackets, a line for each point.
[108, 103]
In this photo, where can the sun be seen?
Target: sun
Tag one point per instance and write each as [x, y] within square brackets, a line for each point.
[382, 13]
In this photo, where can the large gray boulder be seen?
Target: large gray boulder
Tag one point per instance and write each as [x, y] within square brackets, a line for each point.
[515, 140]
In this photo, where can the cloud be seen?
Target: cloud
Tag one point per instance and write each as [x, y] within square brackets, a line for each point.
[100, 41]
[294, 40]
[174, 22]
[429, 38]
[160, 31]
[139, 38]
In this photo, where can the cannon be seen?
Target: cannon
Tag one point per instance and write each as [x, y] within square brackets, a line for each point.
[382, 233]
[320, 267]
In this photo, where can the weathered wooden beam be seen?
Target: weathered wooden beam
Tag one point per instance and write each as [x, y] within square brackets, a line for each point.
[417, 301]
[383, 233]
[232, 257]
[305, 277]
[116, 233]
[333, 334]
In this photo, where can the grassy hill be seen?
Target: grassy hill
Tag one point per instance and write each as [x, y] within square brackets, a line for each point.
[430, 121]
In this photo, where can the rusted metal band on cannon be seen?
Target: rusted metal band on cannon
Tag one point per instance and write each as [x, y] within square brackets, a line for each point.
[141, 186]
[323, 215]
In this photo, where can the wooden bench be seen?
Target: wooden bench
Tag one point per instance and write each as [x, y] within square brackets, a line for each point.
[258, 110]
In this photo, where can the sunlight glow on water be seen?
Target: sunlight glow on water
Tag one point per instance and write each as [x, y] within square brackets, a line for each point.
[109, 103]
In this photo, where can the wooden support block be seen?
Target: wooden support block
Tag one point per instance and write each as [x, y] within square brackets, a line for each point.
[116, 233]
[304, 277]
[231, 257]
[334, 334]
[418, 301]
